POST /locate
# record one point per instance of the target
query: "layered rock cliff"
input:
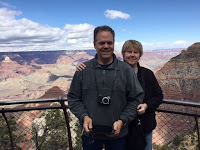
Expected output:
(25, 119)
(180, 77)
(27, 75)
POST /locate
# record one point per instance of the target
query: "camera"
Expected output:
(101, 129)
(105, 100)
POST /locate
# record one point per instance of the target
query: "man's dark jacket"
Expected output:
(118, 81)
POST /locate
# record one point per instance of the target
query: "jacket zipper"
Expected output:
(104, 72)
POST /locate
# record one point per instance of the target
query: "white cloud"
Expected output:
(8, 15)
(25, 35)
(79, 31)
(157, 45)
(4, 4)
(179, 42)
(114, 14)
(165, 45)
(125, 30)
(79, 28)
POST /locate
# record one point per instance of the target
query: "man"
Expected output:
(104, 96)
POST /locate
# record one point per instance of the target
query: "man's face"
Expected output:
(104, 46)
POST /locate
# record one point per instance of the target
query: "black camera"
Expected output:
(105, 100)
(101, 129)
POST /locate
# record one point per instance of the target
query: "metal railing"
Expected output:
(183, 108)
(191, 109)
(62, 106)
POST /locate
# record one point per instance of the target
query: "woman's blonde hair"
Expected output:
(132, 44)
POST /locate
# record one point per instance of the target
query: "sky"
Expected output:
(41, 25)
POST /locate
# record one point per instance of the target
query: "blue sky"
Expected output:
(28, 25)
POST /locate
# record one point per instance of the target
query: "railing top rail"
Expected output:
(165, 101)
(46, 100)
(181, 102)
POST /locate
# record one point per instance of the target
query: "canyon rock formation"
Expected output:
(179, 79)
(27, 75)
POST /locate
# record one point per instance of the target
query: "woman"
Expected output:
(132, 51)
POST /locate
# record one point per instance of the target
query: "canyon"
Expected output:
(48, 74)
(27, 75)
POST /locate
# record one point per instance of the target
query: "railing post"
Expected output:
(9, 130)
(67, 122)
(198, 137)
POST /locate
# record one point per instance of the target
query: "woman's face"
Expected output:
(131, 56)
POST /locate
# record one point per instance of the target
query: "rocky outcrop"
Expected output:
(24, 122)
(180, 77)
(12, 69)
(30, 81)
(155, 59)
(27, 75)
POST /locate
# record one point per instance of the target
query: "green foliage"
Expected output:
(158, 147)
(54, 130)
(182, 148)
(192, 138)
(78, 144)
(4, 134)
(177, 140)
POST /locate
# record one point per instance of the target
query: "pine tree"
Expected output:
(54, 132)
(4, 134)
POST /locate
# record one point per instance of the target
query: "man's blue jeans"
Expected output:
(89, 143)
(148, 137)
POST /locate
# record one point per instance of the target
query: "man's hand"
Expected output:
(117, 128)
(87, 124)
(142, 108)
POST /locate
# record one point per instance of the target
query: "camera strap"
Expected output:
(114, 76)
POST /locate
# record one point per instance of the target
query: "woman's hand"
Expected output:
(80, 66)
(142, 108)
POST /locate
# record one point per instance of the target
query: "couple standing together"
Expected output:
(107, 95)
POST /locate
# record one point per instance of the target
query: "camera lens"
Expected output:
(105, 100)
